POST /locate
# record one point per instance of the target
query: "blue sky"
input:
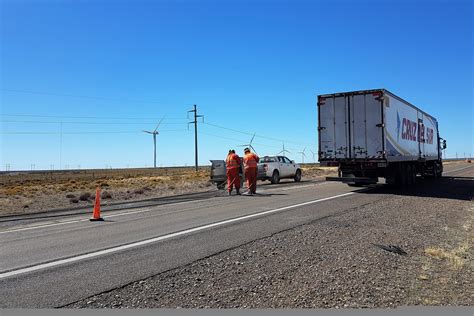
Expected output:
(251, 66)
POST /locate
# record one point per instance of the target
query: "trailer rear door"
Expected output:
(333, 128)
(366, 127)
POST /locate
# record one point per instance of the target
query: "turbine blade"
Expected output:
(252, 139)
(159, 123)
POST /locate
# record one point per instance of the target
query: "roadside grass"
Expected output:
(460, 255)
(454, 257)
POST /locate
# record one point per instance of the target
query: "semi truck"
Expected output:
(374, 133)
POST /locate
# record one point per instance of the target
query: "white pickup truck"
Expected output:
(279, 167)
(271, 168)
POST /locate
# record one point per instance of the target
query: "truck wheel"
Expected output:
(409, 174)
(221, 185)
(413, 174)
(439, 170)
(405, 175)
(298, 175)
(401, 176)
(275, 177)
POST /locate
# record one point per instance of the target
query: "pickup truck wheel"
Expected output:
(275, 177)
(298, 175)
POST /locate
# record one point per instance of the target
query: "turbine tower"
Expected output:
(314, 154)
(303, 155)
(154, 133)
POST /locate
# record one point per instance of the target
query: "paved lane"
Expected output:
(230, 223)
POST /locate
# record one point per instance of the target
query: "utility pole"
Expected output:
(195, 134)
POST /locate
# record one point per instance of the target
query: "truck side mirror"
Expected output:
(293, 161)
(444, 144)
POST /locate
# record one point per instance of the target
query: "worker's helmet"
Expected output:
(233, 151)
(246, 150)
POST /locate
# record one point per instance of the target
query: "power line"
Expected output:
(79, 96)
(257, 135)
(87, 123)
(93, 117)
(88, 132)
(236, 140)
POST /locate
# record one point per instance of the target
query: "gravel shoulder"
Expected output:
(334, 262)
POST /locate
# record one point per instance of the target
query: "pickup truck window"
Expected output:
(280, 159)
(287, 160)
(268, 159)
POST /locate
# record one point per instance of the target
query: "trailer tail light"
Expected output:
(377, 94)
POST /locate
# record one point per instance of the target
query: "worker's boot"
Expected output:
(238, 191)
(229, 193)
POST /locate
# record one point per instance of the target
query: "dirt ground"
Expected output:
(25, 193)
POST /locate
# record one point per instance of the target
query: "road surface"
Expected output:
(52, 262)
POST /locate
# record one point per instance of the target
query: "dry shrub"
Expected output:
(84, 196)
(452, 256)
(139, 191)
(106, 195)
(70, 196)
(74, 200)
(13, 191)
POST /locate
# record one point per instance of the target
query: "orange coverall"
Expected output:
(250, 171)
(233, 164)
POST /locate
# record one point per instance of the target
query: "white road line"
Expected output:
(133, 212)
(185, 202)
(86, 219)
(458, 169)
(164, 237)
(41, 226)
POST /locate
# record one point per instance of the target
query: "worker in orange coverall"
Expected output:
(233, 166)
(250, 170)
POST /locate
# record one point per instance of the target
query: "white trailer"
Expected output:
(374, 133)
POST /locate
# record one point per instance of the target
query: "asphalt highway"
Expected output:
(52, 262)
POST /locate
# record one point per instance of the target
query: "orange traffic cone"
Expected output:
(96, 213)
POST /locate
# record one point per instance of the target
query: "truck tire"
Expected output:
(405, 175)
(409, 174)
(413, 174)
(275, 177)
(439, 170)
(401, 176)
(298, 175)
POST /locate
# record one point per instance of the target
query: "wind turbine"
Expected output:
(250, 144)
(312, 152)
(302, 155)
(284, 151)
(154, 133)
